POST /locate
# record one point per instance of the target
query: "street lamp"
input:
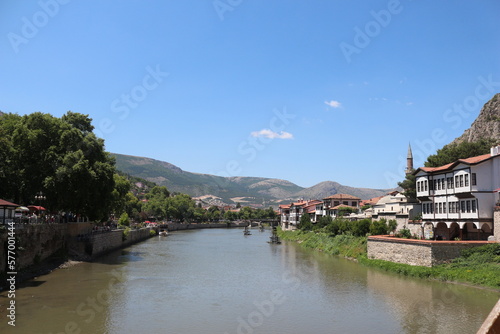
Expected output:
(40, 197)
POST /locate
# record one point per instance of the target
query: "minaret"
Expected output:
(409, 161)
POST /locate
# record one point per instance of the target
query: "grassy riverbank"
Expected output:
(477, 266)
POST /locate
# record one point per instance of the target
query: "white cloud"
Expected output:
(271, 134)
(333, 104)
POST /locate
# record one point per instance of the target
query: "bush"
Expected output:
(361, 227)
(379, 227)
(404, 233)
(124, 219)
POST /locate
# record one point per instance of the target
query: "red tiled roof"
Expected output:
(6, 203)
(371, 201)
(284, 206)
(468, 161)
(311, 209)
(342, 196)
(342, 206)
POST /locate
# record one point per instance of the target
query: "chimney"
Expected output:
(495, 150)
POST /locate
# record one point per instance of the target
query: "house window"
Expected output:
(354, 204)
(450, 207)
(466, 180)
(435, 185)
(345, 203)
(461, 180)
(418, 186)
(335, 203)
(473, 205)
(425, 185)
(462, 204)
(444, 207)
(432, 207)
(473, 179)
(438, 184)
(468, 206)
(456, 181)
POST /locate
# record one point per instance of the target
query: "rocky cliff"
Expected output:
(486, 125)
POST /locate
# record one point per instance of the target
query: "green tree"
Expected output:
(157, 202)
(124, 219)
(60, 157)
(119, 194)
(409, 187)
(181, 207)
(324, 221)
(360, 227)
(346, 210)
(379, 227)
(392, 225)
(452, 152)
(305, 222)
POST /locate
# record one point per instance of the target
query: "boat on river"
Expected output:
(163, 233)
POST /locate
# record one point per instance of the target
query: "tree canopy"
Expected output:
(60, 157)
(452, 152)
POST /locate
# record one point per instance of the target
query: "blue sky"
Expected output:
(306, 91)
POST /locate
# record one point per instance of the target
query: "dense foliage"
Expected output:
(60, 157)
(341, 226)
(452, 152)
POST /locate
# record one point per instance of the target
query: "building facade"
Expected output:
(458, 199)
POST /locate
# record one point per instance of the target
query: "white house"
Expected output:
(395, 206)
(458, 199)
(7, 211)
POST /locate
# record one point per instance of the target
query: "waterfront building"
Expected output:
(284, 214)
(7, 211)
(290, 214)
(458, 199)
(395, 206)
(332, 204)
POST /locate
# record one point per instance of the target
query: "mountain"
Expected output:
(246, 190)
(327, 188)
(486, 125)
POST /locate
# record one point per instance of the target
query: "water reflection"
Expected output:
(218, 281)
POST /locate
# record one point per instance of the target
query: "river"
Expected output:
(220, 281)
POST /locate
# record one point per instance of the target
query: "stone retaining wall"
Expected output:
(104, 242)
(179, 226)
(34, 243)
(425, 253)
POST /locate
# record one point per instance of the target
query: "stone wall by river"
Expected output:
(36, 243)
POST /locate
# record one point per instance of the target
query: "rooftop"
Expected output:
(342, 196)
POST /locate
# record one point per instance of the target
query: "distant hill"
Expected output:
(253, 191)
(486, 125)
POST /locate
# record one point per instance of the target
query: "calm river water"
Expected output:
(219, 281)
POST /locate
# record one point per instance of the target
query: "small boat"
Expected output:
(163, 233)
(246, 231)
